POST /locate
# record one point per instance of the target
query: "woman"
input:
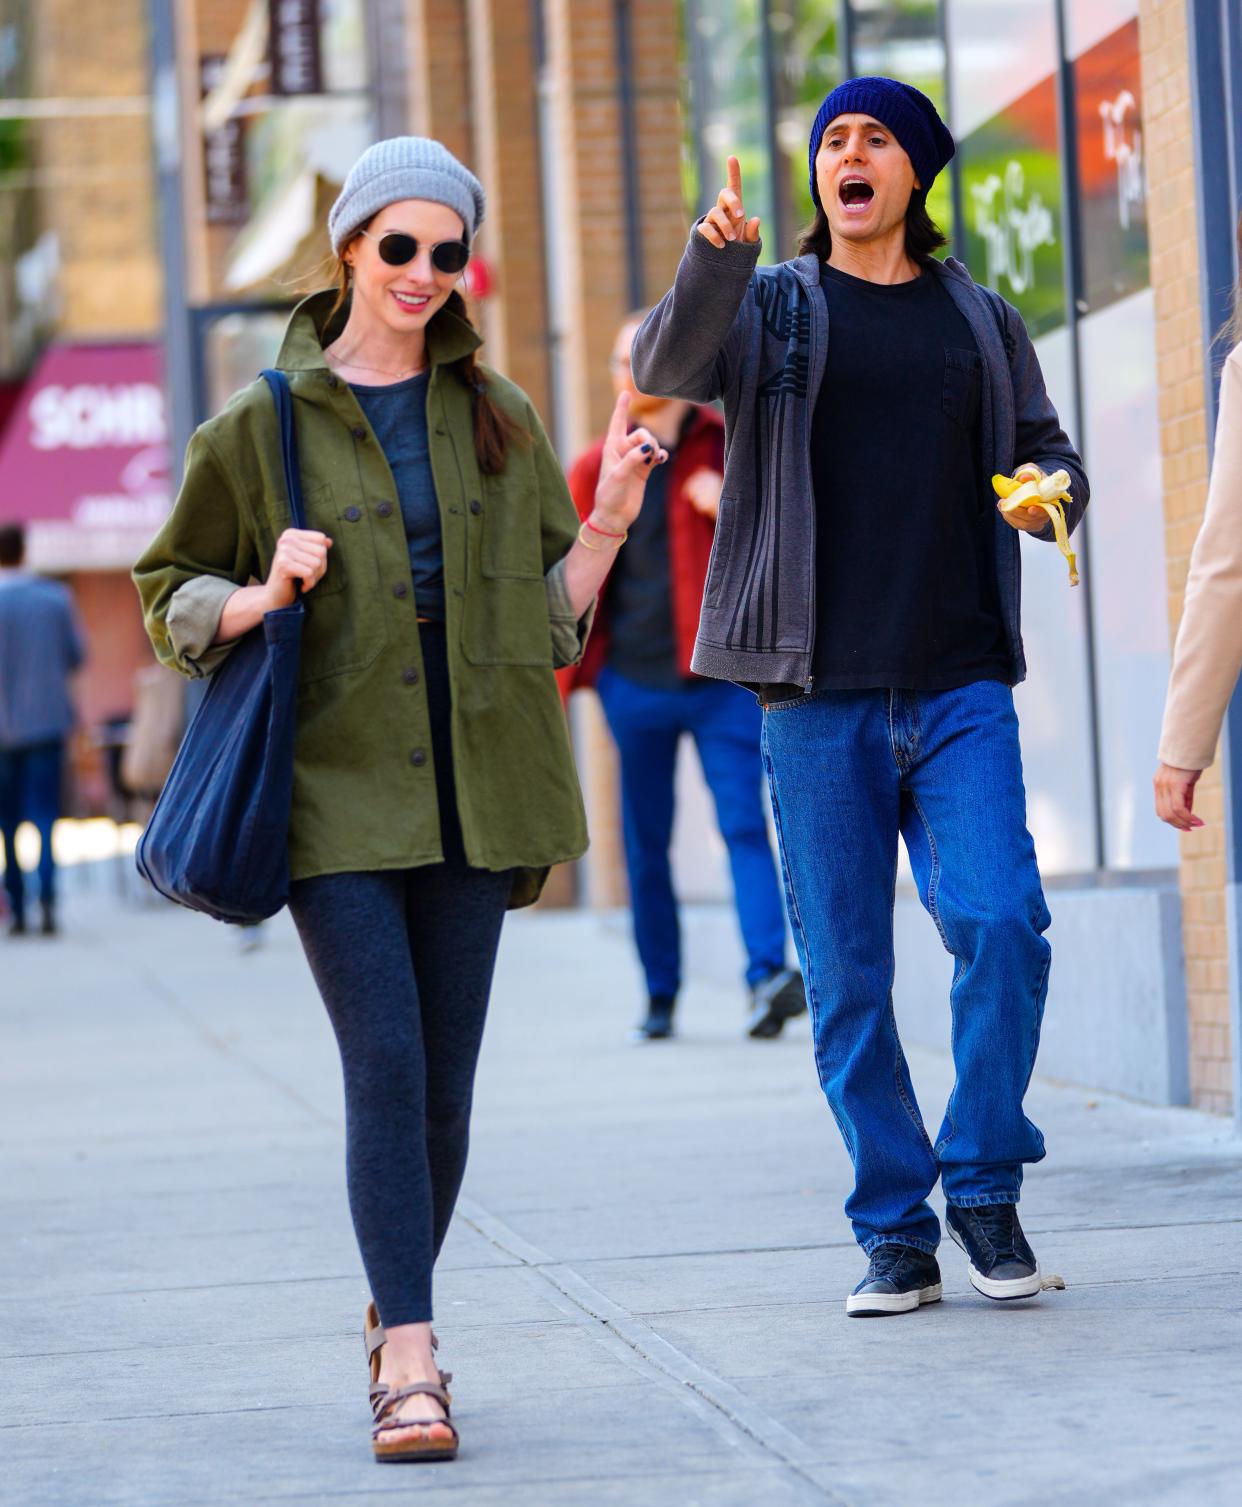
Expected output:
(447, 575)
(1208, 654)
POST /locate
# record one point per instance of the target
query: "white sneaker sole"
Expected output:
(862, 1305)
(1005, 1291)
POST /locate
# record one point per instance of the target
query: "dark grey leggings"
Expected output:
(404, 963)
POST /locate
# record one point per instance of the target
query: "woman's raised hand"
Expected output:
(301, 555)
(628, 461)
(726, 220)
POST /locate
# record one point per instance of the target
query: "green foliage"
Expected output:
(13, 145)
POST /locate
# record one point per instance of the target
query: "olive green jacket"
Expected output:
(364, 778)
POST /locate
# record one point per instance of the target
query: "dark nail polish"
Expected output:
(646, 449)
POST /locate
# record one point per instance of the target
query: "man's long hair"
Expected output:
(923, 236)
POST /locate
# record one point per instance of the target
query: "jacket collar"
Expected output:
(449, 337)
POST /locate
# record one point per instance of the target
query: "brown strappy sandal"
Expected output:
(383, 1398)
(424, 1447)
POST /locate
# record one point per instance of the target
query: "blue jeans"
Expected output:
(725, 723)
(29, 792)
(849, 771)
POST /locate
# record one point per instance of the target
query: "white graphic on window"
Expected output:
(1013, 228)
(1123, 145)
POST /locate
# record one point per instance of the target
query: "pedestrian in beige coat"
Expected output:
(1208, 655)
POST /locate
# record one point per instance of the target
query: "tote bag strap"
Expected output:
(283, 398)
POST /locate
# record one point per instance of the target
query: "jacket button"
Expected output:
(384, 509)
(410, 676)
(359, 432)
(353, 514)
(476, 506)
(400, 589)
(418, 758)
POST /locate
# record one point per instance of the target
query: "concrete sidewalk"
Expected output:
(642, 1300)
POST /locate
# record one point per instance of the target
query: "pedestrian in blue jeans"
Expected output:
(638, 660)
(868, 590)
(40, 648)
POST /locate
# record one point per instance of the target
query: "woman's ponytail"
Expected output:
(494, 430)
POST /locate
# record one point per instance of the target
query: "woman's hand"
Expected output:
(703, 488)
(726, 220)
(627, 462)
(301, 555)
(1175, 797)
(1027, 520)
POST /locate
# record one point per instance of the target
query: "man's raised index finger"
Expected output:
(734, 175)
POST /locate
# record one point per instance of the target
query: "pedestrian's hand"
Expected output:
(703, 488)
(1028, 520)
(628, 460)
(726, 220)
(1175, 797)
(301, 555)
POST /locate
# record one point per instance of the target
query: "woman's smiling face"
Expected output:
(403, 298)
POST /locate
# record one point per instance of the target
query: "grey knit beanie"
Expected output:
(404, 167)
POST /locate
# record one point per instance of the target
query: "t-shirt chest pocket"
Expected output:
(963, 373)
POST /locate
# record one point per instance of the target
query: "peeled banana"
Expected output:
(1049, 493)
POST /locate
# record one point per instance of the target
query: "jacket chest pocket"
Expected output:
(512, 546)
(963, 372)
(346, 627)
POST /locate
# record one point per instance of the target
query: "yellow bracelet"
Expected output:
(582, 538)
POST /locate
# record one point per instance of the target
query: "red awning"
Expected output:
(84, 457)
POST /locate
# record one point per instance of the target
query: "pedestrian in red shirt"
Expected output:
(638, 660)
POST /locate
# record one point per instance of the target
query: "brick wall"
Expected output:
(1184, 446)
(95, 172)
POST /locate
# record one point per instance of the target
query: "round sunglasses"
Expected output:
(396, 248)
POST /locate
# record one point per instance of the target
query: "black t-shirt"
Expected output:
(906, 592)
(398, 415)
(642, 645)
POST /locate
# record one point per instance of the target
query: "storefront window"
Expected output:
(901, 39)
(806, 66)
(1009, 151)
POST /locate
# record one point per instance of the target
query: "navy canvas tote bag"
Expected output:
(218, 838)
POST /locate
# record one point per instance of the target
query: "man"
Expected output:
(40, 648)
(868, 590)
(638, 659)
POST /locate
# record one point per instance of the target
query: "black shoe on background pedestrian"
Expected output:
(773, 1001)
(899, 1279)
(658, 1025)
(1002, 1263)
(17, 926)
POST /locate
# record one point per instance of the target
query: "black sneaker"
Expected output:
(899, 1280)
(773, 1001)
(658, 1025)
(17, 926)
(47, 920)
(1002, 1264)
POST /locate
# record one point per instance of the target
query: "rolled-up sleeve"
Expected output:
(193, 621)
(569, 631)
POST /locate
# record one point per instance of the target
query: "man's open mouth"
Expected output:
(855, 192)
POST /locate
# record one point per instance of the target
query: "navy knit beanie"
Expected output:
(907, 113)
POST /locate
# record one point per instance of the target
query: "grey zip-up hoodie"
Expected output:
(757, 337)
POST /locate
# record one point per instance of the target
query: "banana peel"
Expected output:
(1049, 493)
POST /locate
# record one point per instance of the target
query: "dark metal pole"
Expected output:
(636, 283)
(777, 176)
(956, 191)
(846, 32)
(166, 117)
(710, 174)
(1067, 122)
